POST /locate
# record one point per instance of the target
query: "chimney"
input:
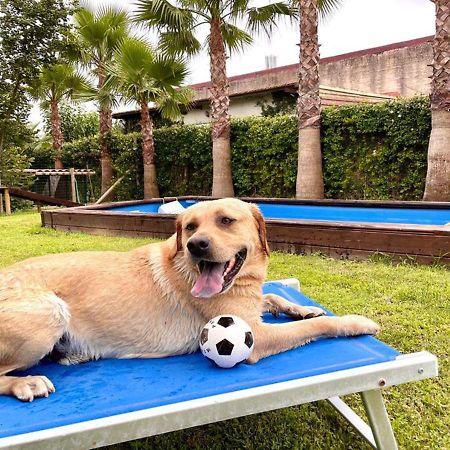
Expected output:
(271, 61)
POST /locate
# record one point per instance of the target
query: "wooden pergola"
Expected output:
(72, 173)
(7, 191)
(5, 197)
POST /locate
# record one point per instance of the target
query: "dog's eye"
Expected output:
(227, 220)
(191, 226)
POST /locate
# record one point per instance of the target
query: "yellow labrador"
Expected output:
(150, 302)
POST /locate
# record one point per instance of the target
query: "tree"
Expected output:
(76, 122)
(179, 25)
(309, 169)
(98, 36)
(142, 75)
(56, 83)
(437, 187)
(32, 34)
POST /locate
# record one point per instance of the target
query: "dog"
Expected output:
(153, 301)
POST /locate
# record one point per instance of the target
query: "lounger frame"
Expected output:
(368, 381)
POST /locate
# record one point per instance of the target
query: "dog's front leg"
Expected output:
(276, 305)
(272, 339)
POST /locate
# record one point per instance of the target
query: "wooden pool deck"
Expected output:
(425, 244)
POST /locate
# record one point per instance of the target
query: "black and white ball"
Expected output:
(226, 340)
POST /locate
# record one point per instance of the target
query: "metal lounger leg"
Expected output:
(379, 420)
(351, 417)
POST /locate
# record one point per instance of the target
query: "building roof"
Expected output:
(38, 172)
(286, 77)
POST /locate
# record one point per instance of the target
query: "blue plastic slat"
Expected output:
(108, 387)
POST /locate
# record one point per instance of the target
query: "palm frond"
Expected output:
(168, 71)
(140, 74)
(113, 17)
(170, 105)
(265, 18)
(179, 42)
(327, 7)
(163, 14)
(76, 84)
(83, 17)
(105, 97)
(201, 7)
(58, 82)
(98, 34)
(235, 38)
(237, 9)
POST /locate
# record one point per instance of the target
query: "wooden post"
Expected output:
(7, 202)
(1, 203)
(72, 184)
(109, 191)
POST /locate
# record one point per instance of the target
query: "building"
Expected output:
(365, 76)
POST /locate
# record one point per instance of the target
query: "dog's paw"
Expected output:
(73, 358)
(31, 387)
(353, 325)
(277, 305)
(304, 312)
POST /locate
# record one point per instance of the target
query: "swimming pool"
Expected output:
(343, 229)
(343, 213)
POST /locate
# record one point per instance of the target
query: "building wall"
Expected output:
(404, 70)
(239, 107)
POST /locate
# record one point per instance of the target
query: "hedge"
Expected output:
(369, 152)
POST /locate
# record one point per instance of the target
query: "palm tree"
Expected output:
(437, 187)
(309, 169)
(56, 83)
(98, 35)
(142, 75)
(179, 25)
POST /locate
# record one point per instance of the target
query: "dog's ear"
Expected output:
(261, 226)
(177, 244)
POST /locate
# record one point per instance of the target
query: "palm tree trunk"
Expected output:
(57, 136)
(437, 186)
(148, 154)
(309, 170)
(220, 102)
(105, 116)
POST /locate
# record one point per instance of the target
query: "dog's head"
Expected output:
(221, 241)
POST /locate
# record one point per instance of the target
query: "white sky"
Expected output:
(358, 24)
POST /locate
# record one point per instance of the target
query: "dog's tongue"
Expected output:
(210, 281)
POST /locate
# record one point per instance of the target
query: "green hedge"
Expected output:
(369, 151)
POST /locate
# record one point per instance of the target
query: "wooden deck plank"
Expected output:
(354, 240)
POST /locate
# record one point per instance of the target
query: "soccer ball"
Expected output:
(226, 340)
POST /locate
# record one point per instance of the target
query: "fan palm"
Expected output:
(309, 183)
(56, 83)
(142, 75)
(437, 186)
(179, 24)
(98, 35)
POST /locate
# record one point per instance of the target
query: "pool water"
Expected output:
(326, 213)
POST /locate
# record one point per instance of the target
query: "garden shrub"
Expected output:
(76, 122)
(369, 152)
(376, 151)
(13, 161)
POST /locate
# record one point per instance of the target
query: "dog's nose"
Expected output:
(198, 246)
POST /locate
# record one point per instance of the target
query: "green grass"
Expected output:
(412, 303)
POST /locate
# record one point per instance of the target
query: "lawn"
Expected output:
(412, 304)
